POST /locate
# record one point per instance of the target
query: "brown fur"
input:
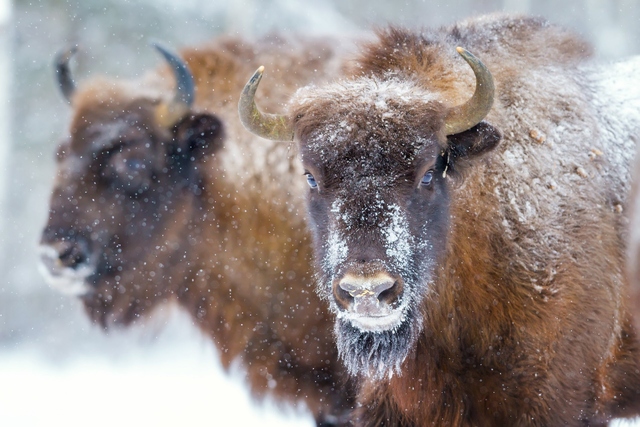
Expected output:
(633, 267)
(522, 319)
(214, 231)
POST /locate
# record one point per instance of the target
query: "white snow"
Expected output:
(398, 238)
(336, 247)
(165, 383)
(372, 92)
(634, 422)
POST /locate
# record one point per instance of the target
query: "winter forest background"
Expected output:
(56, 368)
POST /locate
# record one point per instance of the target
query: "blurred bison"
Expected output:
(161, 195)
(473, 249)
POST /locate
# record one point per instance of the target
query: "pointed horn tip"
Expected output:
(255, 78)
(64, 55)
(258, 73)
(158, 46)
(464, 53)
(168, 53)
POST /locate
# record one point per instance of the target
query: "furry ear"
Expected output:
(199, 134)
(467, 145)
(478, 140)
(195, 138)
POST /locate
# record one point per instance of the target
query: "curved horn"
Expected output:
(269, 126)
(169, 113)
(185, 87)
(63, 73)
(466, 116)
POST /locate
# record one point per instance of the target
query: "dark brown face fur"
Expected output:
(378, 203)
(125, 196)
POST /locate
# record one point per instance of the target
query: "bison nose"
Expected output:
(368, 295)
(66, 264)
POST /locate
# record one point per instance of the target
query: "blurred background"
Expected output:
(56, 368)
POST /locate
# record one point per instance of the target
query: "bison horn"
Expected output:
(471, 113)
(269, 126)
(169, 114)
(63, 73)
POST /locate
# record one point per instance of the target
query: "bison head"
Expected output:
(127, 179)
(378, 154)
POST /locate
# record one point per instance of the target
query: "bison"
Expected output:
(161, 196)
(471, 241)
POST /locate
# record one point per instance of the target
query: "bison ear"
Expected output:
(199, 134)
(471, 143)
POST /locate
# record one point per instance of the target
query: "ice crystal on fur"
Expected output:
(377, 355)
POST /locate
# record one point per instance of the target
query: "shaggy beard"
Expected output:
(377, 355)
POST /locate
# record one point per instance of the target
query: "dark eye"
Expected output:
(427, 178)
(128, 170)
(132, 166)
(127, 167)
(311, 180)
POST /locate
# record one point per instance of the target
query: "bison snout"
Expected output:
(372, 296)
(66, 264)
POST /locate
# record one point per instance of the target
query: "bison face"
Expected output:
(122, 204)
(378, 165)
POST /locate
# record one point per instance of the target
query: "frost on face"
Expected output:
(377, 356)
(398, 239)
(370, 92)
(336, 249)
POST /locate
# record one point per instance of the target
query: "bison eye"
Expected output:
(427, 178)
(128, 170)
(311, 180)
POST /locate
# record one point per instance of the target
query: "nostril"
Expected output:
(72, 256)
(343, 296)
(390, 294)
(381, 288)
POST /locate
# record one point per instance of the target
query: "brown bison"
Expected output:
(161, 196)
(471, 244)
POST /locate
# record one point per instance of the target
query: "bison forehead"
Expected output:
(366, 126)
(99, 136)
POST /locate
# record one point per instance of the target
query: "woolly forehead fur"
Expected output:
(366, 92)
(391, 116)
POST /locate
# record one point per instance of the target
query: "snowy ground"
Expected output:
(157, 387)
(625, 423)
(167, 382)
